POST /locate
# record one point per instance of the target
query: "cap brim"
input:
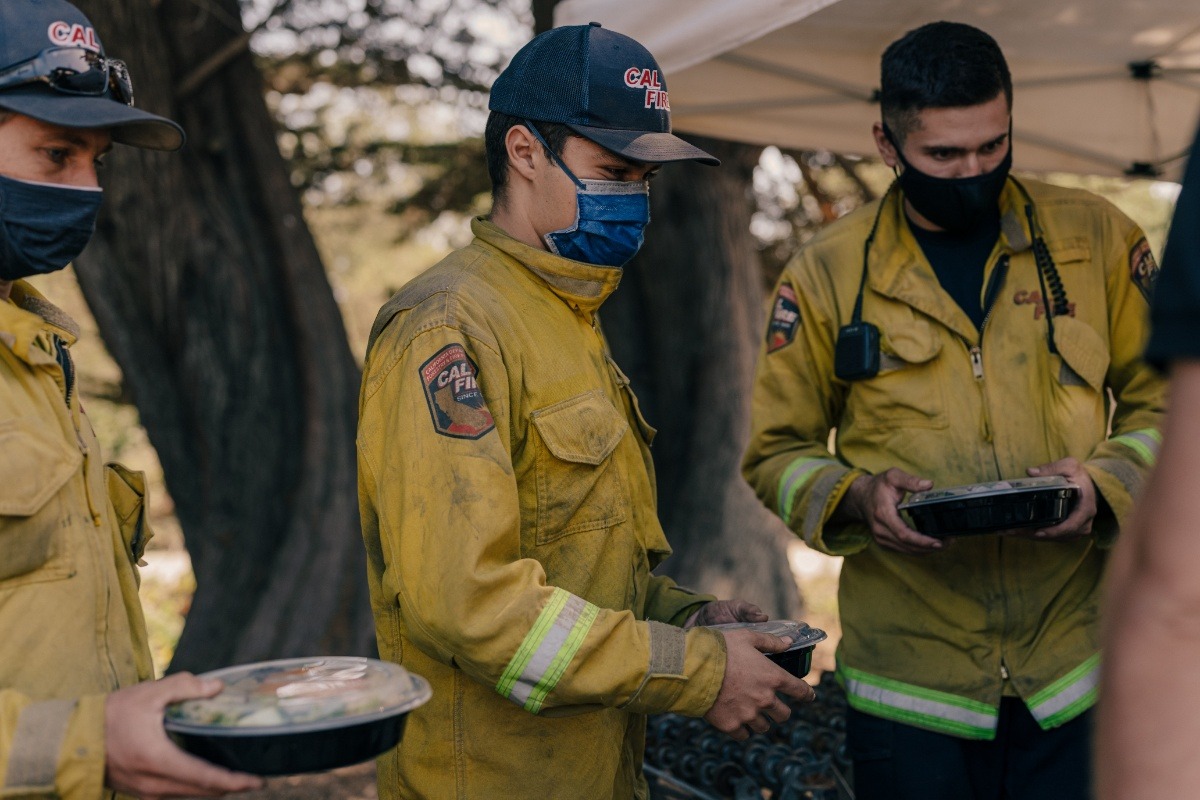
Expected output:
(651, 147)
(128, 125)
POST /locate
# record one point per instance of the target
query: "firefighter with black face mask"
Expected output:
(968, 327)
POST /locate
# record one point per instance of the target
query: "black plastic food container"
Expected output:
(295, 752)
(299, 715)
(990, 507)
(797, 659)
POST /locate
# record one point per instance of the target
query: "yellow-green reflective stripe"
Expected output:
(567, 652)
(533, 639)
(547, 650)
(1068, 696)
(917, 705)
(1144, 442)
(798, 473)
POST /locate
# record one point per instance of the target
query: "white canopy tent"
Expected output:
(1105, 87)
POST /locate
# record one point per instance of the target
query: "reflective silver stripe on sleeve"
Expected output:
(33, 759)
(547, 650)
(1144, 442)
(797, 474)
(816, 503)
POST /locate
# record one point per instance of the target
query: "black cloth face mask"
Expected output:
(957, 205)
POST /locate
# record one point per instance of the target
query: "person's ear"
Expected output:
(883, 144)
(523, 151)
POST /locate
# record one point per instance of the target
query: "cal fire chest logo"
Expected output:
(785, 318)
(452, 389)
(1143, 268)
(656, 95)
(67, 34)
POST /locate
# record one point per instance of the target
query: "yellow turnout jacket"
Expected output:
(72, 530)
(936, 640)
(509, 516)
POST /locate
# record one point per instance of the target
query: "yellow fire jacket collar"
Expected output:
(27, 315)
(584, 287)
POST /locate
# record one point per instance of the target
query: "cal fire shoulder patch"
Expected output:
(1143, 269)
(785, 319)
(451, 382)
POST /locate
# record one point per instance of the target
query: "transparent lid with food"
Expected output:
(1009, 488)
(800, 634)
(305, 693)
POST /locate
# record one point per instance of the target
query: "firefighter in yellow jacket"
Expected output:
(72, 528)
(506, 484)
(1010, 318)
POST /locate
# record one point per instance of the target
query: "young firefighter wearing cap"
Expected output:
(506, 483)
(1008, 313)
(72, 529)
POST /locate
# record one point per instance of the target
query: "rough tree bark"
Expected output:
(685, 325)
(209, 292)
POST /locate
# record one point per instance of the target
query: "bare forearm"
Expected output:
(1150, 700)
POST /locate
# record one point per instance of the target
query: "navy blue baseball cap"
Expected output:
(48, 30)
(602, 85)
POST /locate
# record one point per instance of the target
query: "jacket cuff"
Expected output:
(685, 673)
(1116, 482)
(836, 539)
(704, 664)
(82, 758)
(57, 750)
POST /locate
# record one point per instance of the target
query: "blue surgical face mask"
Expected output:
(610, 219)
(43, 226)
(609, 225)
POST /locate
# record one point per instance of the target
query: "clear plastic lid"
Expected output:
(989, 489)
(303, 692)
(800, 634)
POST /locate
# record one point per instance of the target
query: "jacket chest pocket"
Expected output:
(907, 391)
(35, 465)
(579, 486)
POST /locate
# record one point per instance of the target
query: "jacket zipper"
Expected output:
(991, 295)
(63, 357)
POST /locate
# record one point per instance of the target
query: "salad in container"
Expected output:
(299, 714)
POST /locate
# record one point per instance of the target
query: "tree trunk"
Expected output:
(209, 292)
(686, 325)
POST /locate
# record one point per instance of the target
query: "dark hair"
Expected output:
(939, 65)
(498, 125)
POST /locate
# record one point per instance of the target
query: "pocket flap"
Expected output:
(584, 429)
(127, 493)
(1082, 349)
(913, 344)
(1064, 251)
(34, 464)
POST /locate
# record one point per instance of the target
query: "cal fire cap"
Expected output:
(601, 84)
(27, 27)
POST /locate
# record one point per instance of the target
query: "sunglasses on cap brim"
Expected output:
(72, 70)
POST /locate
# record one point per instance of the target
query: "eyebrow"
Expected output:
(936, 148)
(75, 140)
(620, 163)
